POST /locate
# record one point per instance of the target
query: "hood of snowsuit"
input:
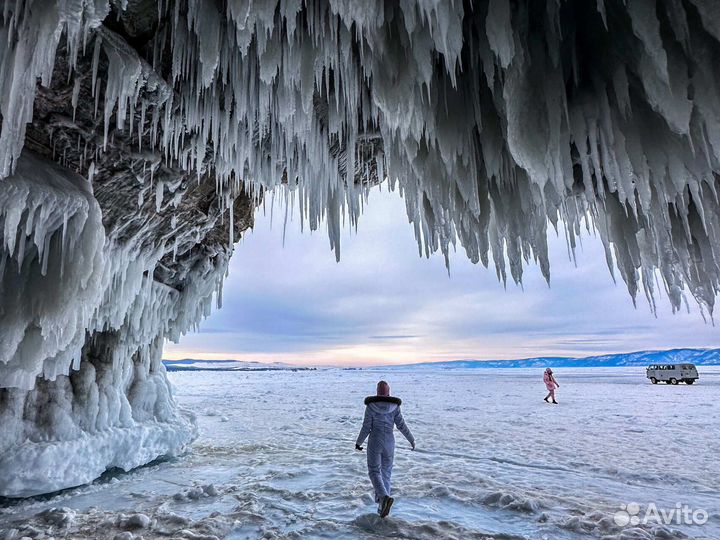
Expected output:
(383, 399)
(383, 404)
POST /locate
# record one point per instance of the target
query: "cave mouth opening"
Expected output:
(286, 300)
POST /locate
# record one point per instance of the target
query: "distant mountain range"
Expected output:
(699, 357)
(189, 364)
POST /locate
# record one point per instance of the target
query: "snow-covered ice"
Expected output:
(492, 460)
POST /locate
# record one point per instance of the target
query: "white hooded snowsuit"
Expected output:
(382, 414)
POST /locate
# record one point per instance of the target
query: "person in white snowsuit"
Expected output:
(382, 415)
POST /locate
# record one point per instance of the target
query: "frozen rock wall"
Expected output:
(491, 117)
(107, 250)
(84, 316)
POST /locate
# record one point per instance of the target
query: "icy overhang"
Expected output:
(491, 117)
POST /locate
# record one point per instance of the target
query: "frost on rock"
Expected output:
(492, 118)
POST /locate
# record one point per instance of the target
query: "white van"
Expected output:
(672, 373)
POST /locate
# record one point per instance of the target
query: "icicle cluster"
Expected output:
(493, 117)
(60, 278)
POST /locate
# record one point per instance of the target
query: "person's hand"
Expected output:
(358, 448)
(412, 446)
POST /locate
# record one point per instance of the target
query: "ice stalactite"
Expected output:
(30, 34)
(492, 118)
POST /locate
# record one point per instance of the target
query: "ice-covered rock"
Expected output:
(76, 404)
(92, 281)
(168, 121)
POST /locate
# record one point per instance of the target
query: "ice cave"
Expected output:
(139, 136)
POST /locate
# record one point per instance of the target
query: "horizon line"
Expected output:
(430, 362)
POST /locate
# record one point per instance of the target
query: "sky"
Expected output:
(288, 300)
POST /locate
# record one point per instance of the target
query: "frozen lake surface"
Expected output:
(275, 459)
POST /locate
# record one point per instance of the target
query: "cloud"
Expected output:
(382, 303)
(392, 337)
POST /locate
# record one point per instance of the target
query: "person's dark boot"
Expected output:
(555, 402)
(545, 400)
(387, 503)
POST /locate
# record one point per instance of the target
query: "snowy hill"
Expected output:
(699, 357)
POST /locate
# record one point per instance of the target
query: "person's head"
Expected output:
(383, 389)
(549, 371)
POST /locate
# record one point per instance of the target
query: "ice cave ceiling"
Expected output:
(138, 135)
(493, 117)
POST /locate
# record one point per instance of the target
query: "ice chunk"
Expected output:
(137, 521)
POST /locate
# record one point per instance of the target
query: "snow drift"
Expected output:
(493, 118)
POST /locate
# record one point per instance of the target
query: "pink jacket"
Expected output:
(550, 383)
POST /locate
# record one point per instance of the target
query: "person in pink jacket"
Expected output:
(550, 384)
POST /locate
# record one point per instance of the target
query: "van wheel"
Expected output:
(673, 381)
(689, 381)
(653, 380)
